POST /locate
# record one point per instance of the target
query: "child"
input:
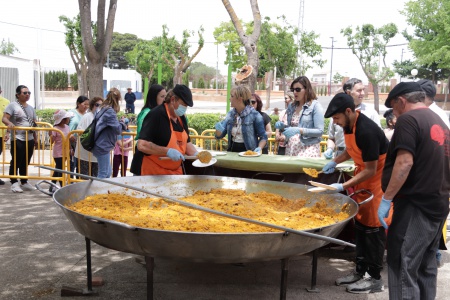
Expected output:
(122, 148)
(62, 118)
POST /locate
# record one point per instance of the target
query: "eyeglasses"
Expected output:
(253, 101)
(26, 93)
(97, 104)
(298, 90)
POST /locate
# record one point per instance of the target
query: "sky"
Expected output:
(34, 28)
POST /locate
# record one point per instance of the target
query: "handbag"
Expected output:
(87, 138)
(30, 121)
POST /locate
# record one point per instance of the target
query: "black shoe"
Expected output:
(2, 182)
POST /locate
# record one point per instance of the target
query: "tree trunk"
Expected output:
(376, 97)
(250, 42)
(96, 53)
(82, 81)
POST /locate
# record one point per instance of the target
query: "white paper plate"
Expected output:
(218, 153)
(199, 164)
(317, 189)
(254, 155)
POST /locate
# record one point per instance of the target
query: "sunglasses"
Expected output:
(298, 90)
(253, 101)
(97, 104)
(26, 93)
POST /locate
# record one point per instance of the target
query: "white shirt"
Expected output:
(440, 112)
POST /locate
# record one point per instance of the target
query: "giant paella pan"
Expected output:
(198, 246)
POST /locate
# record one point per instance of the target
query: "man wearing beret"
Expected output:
(416, 178)
(366, 144)
(165, 133)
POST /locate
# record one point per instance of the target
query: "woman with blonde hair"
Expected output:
(243, 124)
(303, 128)
(106, 131)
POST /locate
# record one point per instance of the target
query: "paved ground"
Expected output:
(41, 252)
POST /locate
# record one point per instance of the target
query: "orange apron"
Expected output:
(367, 213)
(152, 165)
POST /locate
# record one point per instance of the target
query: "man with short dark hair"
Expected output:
(430, 92)
(416, 178)
(366, 144)
(130, 98)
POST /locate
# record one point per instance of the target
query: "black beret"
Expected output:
(428, 87)
(184, 93)
(339, 103)
(401, 89)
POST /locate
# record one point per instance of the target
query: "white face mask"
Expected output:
(181, 110)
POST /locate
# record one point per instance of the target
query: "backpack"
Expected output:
(87, 138)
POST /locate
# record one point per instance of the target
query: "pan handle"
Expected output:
(100, 222)
(363, 191)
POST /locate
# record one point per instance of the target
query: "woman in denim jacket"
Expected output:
(244, 124)
(305, 121)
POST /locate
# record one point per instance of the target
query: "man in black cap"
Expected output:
(366, 144)
(416, 178)
(430, 92)
(130, 98)
(165, 133)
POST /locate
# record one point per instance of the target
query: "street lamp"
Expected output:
(331, 70)
(414, 73)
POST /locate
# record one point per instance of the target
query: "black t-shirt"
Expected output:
(422, 133)
(266, 119)
(156, 127)
(370, 139)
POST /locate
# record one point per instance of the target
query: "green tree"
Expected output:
(368, 44)
(73, 40)
(201, 83)
(337, 78)
(176, 54)
(198, 69)
(144, 57)
(96, 45)
(433, 73)
(121, 44)
(8, 48)
(430, 40)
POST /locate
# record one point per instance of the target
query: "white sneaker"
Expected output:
(27, 187)
(15, 188)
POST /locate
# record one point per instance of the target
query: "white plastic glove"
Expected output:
(328, 154)
(258, 149)
(338, 186)
(329, 167)
(219, 126)
(175, 155)
(279, 125)
(291, 131)
(383, 211)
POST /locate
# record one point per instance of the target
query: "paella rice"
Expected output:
(156, 213)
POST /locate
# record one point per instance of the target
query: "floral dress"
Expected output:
(295, 147)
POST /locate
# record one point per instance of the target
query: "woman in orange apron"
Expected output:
(367, 145)
(165, 133)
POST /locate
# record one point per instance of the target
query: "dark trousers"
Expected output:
(19, 159)
(58, 165)
(130, 108)
(411, 254)
(86, 169)
(117, 162)
(370, 243)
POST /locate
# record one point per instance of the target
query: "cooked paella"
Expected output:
(156, 213)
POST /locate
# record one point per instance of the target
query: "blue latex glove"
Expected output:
(328, 154)
(291, 131)
(383, 211)
(338, 186)
(279, 125)
(175, 155)
(219, 126)
(329, 167)
(258, 149)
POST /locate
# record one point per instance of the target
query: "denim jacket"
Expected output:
(253, 129)
(311, 120)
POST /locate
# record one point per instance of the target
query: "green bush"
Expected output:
(74, 81)
(46, 115)
(201, 83)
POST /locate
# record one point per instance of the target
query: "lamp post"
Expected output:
(331, 69)
(414, 73)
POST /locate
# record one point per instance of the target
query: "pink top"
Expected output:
(57, 138)
(127, 143)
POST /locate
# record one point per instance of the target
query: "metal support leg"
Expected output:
(150, 265)
(313, 288)
(69, 291)
(284, 275)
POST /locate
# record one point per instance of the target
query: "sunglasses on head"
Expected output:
(253, 101)
(298, 90)
(26, 93)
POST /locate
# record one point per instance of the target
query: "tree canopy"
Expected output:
(121, 44)
(8, 48)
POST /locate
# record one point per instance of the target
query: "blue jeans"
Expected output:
(104, 166)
